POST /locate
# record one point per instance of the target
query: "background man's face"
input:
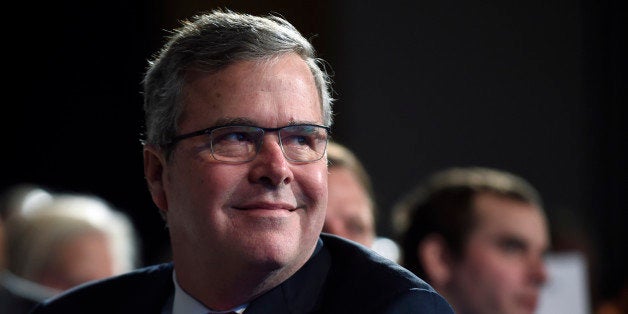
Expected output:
(502, 267)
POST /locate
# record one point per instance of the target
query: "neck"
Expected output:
(222, 287)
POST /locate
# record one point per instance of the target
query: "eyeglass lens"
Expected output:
(300, 143)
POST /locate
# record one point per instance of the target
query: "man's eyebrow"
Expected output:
(295, 122)
(234, 121)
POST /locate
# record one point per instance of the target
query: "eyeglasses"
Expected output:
(240, 143)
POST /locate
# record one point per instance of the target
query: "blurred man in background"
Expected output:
(351, 208)
(478, 235)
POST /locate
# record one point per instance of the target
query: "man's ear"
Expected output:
(436, 259)
(154, 163)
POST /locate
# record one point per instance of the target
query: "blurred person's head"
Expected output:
(15, 199)
(67, 240)
(478, 235)
(350, 206)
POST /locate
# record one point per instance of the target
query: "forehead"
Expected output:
(344, 185)
(346, 194)
(500, 215)
(271, 92)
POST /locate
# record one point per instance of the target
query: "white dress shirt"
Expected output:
(186, 304)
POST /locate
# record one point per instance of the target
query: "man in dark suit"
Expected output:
(238, 113)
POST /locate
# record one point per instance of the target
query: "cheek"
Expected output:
(193, 189)
(198, 197)
(313, 184)
(493, 270)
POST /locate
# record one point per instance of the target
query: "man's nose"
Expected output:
(538, 271)
(271, 166)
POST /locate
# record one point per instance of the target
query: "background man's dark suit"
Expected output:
(11, 303)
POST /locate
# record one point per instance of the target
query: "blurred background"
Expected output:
(537, 88)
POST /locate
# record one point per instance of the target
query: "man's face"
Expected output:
(349, 211)
(502, 269)
(78, 259)
(264, 214)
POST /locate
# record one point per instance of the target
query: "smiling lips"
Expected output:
(267, 206)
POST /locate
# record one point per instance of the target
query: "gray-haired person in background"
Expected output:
(238, 113)
(55, 242)
(477, 235)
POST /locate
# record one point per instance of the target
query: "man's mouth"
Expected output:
(267, 206)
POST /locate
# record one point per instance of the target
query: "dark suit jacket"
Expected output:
(11, 303)
(341, 277)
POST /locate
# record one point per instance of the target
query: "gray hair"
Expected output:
(35, 233)
(210, 42)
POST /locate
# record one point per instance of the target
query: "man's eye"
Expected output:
(233, 137)
(298, 140)
(511, 245)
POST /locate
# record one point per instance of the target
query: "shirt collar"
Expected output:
(26, 288)
(186, 304)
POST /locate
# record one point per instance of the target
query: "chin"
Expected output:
(268, 259)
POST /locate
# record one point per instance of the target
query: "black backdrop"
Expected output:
(537, 88)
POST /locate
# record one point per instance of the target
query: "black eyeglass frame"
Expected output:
(209, 130)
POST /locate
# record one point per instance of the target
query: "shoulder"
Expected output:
(360, 277)
(351, 260)
(11, 302)
(141, 289)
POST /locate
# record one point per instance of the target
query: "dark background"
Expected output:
(537, 88)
